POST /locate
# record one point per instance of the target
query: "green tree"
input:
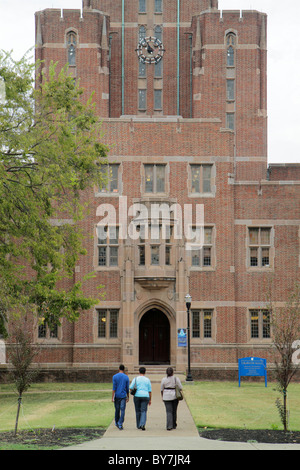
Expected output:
(285, 328)
(50, 152)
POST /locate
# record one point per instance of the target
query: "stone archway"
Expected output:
(154, 338)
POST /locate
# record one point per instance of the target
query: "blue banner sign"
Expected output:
(252, 367)
(181, 335)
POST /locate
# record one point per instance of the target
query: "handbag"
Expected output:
(178, 392)
(134, 389)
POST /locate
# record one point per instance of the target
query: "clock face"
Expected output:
(150, 50)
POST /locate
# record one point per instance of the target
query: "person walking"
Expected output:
(120, 395)
(168, 393)
(142, 397)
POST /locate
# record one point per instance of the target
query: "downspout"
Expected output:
(123, 54)
(178, 57)
(191, 75)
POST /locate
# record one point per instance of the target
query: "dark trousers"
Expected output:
(141, 406)
(171, 409)
(120, 406)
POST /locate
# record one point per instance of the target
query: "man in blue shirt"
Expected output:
(120, 395)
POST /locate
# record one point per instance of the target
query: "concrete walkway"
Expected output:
(156, 437)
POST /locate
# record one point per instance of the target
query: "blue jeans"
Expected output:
(120, 406)
(141, 406)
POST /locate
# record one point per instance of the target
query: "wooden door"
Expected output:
(154, 341)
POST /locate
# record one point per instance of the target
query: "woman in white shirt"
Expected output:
(168, 393)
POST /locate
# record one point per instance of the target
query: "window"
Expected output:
(155, 255)
(202, 324)
(155, 178)
(157, 99)
(71, 43)
(46, 332)
(142, 100)
(231, 41)
(230, 85)
(158, 250)
(230, 121)
(108, 323)
(230, 57)
(259, 247)
(142, 70)
(158, 70)
(158, 6)
(108, 246)
(201, 178)
(142, 6)
(260, 324)
(110, 178)
(203, 257)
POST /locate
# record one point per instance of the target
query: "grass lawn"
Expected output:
(60, 405)
(252, 406)
(81, 405)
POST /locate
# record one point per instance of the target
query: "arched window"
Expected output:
(71, 44)
(230, 41)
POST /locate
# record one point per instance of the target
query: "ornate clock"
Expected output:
(150, 50)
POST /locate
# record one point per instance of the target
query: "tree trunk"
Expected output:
(18, 412)
(285, 411)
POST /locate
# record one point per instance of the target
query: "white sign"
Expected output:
(296, 355)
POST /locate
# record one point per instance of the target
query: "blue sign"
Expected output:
(252, 367)
(181, 335)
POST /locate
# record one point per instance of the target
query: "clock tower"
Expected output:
(180, 89)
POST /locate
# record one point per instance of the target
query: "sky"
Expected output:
(17, 34)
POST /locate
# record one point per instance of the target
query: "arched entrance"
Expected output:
(154, 338)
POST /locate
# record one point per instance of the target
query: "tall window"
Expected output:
(201, 178)
(108, 323)
(142, 67)
(230, 81)
(230, 121)
(231, 41)
(155, 178)
(157, 100)
(158, 6)
(203, 257)
(158, 66)
(110, 175)
(230, 85)
(202, 324)
(259, 247)
(142, 100)
(142, 6)
(260, 324)
(71, 42)
(108, 246)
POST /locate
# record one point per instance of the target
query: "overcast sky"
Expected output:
(17, 33)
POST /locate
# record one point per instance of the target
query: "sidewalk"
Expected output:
(156, 437)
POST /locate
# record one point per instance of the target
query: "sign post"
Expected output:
(253, 367)
(182, 337)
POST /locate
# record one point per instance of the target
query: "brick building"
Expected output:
(181, 89)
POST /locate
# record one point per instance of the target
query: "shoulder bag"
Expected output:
(178, 392)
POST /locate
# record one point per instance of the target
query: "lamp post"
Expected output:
(188, 301)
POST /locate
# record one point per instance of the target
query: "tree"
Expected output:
(285, 325)
(22, 354)
(50, 153)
